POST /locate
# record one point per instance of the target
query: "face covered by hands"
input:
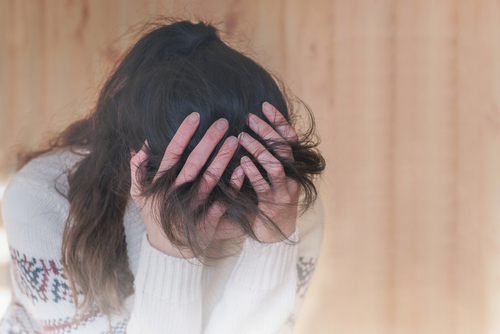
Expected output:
(278, 200)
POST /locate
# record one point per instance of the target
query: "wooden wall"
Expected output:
(407, 101)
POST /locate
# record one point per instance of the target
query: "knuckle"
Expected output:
(211, 136)
(268, 132)
(285, 152)
(190, 166)
(208, 179)
(190, 176)
(191, 171)
(182, 133)
(262, 190)
(175, 147)
(204, 190)
(185, 132)
(292, 135)
(258, 150)
(262, 187)
(276, 171)
(216, 212)
(285, 198)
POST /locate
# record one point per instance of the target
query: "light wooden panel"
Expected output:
(406, 98)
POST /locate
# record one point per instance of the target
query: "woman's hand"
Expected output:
(278, 200)
(213, 225)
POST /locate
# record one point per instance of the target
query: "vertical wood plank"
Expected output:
(424, 168)
(406, 96)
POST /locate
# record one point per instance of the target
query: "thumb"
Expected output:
(135, 164)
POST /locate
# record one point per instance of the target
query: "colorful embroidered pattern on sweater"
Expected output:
(305, 269)
(120, 328)
(40, 280)
(17, 321)
(68, 324)
(44, 281)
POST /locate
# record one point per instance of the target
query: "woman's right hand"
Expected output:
(213, 226)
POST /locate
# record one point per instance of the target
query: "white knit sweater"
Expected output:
(259, 290)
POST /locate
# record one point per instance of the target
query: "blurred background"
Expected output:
(406, 95)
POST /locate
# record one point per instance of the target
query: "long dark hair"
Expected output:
(170, 72)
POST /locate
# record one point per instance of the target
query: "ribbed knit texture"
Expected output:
(156, 267)
(276, 259)
(258, 290)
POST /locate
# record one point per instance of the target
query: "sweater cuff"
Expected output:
(168, 278)
(262, 266)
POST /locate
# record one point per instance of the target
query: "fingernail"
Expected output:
(232, 141)
(243, 137)
(252, 120)
(221, 124)
(193, 118)
(245, 159)
(240, 171)
(267, 106)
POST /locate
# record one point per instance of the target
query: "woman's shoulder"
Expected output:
(34, 206)
(48, 169)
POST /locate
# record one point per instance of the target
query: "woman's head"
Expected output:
(170, 72)
(177, 69)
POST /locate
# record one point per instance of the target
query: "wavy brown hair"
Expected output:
(173, 70)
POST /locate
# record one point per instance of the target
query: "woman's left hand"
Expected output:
(279, 199)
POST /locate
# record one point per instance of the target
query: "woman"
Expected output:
(181, 204)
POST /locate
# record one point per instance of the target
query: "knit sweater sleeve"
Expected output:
(267, 286)
(263, 294)
(168, 295)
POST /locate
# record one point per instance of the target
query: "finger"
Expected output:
(178, 143)
(279, 122)
(135, 163)
(294, 188)
(209, 224)
(225, 229)
(266, 132)
(260, 185)
(237, 177)
(217, 167)
(273, 166)
(202, 151)
(217, 209)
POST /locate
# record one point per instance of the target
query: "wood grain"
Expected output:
(406, 96)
